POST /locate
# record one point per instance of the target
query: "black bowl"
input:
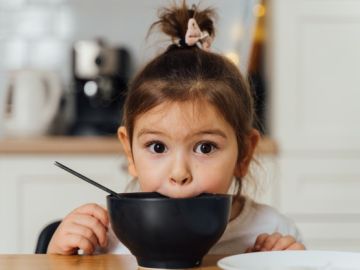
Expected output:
(163, 232)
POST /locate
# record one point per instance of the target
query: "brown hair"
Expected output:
(184, 73)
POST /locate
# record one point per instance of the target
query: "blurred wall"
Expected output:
(39, 33)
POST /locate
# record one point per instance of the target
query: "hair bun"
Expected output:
(173, 21)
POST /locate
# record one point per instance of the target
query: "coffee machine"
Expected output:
(100, 78)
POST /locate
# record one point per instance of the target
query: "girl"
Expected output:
(187, 129)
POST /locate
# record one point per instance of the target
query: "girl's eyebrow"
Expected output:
(217, 132)
(211, 132)
(145, 131)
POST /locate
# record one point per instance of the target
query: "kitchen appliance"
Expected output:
(31, 102)
(100, 77)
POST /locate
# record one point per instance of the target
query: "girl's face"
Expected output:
(183, 149)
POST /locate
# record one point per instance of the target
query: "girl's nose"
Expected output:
(180, 181)
(180, 174)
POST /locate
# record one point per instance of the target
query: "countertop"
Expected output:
(86, 145)
(104, 262)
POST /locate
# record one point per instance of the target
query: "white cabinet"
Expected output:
(315, 82)
(314, 56)
(322, 195)
(320, 186)
(34, 192)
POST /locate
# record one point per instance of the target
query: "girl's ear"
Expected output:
(242, 167)
(125, 141)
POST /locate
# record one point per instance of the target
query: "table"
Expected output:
(98, 262)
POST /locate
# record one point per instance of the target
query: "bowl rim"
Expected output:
(160, 197)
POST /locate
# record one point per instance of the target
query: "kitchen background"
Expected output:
(71, 38)
(301, 56)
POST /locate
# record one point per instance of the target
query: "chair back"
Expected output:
(45, 237)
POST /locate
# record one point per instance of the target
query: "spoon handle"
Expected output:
(86, 179)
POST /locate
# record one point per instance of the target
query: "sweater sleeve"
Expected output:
(288, 227)
(277, 222)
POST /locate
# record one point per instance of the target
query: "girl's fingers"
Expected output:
(76, 240)
(95, 226)
(283, 243)
(296, 246)
(270, 241)
(275, 241)
(94, 210)
(260, 241)
(84, 232)
(85, 228)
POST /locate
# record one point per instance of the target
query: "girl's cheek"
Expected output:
(212, 183)
(151, 174)
(214, 186)
(215, 176)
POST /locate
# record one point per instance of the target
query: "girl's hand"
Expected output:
(84, 228)
(275, 241)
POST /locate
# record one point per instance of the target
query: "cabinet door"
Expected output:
(319, 185)
(314, 68)
(335, 233)
(34, 192)
(322, 196)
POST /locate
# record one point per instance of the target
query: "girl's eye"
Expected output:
(205, 148)
(157, 147)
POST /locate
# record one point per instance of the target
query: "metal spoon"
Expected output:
(87, 179)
